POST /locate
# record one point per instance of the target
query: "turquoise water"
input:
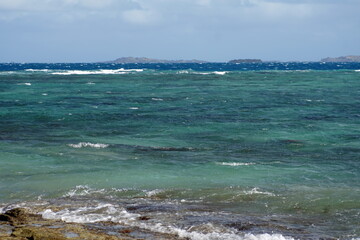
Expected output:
(277, 150)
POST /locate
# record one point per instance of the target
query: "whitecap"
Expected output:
(82, 190)
(219, 73)
(36, 70)
(215, 72)
(157, 99)
(73, 72)
(27, 84)
(182, 72)
(235, 164)
(257, 191)
(153, 192)
(85, 190)
(101, 71)
(7, 72)
(357, 70)
(133, 108)
(88, 144)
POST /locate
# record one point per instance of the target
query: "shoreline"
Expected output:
(23, 224)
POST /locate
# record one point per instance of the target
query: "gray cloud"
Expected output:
(208, 29)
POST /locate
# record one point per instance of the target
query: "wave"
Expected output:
(37, 70)
(235, 164)
(85, 190)
(101, 71)
(88, 144)
(202, 73)
(27, 84)
(102, 212)
(157, 99)
(256, 191)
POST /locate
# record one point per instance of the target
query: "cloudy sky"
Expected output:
(213, 30)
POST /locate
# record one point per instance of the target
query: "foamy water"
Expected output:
(109, 212)
(88, 144)
(101, 71)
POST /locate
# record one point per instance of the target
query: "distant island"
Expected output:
(151, 60)
(126, 60)
(342, 59)
(245, 61)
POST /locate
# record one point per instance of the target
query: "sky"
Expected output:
(212, 30)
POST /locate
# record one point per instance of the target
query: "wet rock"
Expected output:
(18, 216)
(37, 233)
(241, 226)
(126, 231)
(144, 218)
(21, 224)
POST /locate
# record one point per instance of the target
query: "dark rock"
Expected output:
(144, 218)
(126, 231)
(18, 216)
(36, 233)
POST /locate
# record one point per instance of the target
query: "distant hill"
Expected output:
(245, 61)
(342, 59)
(151, 60)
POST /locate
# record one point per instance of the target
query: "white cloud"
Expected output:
(140, 16)
(180, 13)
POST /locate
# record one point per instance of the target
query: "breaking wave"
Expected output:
(88, 144)
(101, 71)
(109, 212)
(235, 164)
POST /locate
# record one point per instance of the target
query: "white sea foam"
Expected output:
(235, 164)
(219, 73)
(7, 72)
(202, 73)
(215, 72)
(157, 99)
(183, 72)
(84, 190)
(27, 84)
(257, 191)
(91, 214)
(357, 71)
(109, 212)
(88, 144)
(101, 71)
(153, 192)
(133, 108)
(37, 70)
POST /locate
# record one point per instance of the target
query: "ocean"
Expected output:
(205, 151)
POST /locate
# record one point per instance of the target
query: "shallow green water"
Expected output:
(263, 143)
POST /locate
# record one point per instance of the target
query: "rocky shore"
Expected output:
(26, 224)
